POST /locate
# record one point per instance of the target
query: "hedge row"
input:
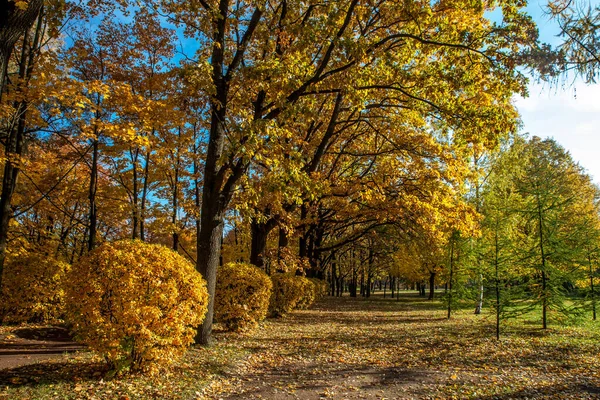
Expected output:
(138, 304)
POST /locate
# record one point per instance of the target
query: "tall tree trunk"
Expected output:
(353, 282)
(479, 306)
(431, 285)
(15, 142)
(93, 211)
(449, 286)
(175, 208)
(478, 184)
(212, 211)
(370, 271)
(258, 246)
(592, 293)
(135, 218)
(334, 274)
(544, 275)
(209, 245)
(497, 278)
(302, 250)
(14, 23)
(282, 243)
(144, 197)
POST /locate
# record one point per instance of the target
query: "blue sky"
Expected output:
(569, 111)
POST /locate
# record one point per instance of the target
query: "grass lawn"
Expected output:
(346, 348)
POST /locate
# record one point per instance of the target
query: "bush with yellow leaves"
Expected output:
(135, 303)
(308, 293)
(242, 296)
(287, 293)
(32, 289)
(321, 287)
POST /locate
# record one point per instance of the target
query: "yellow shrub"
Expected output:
(31, 289)
(135, 303)
(287, 292)
(321, 287)
(242, 296)
(308, 293)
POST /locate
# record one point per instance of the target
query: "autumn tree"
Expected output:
(16, 102)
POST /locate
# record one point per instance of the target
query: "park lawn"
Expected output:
(352, 348)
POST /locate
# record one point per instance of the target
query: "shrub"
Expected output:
(321, 287)
(32, 289)
(135, 303)
(287, 292)
(242, 296)
(308, 293)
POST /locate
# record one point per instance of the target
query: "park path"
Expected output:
(340, 348)
(381, 348)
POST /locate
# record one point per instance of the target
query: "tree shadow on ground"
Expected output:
(586, 390)
(38, 341)
(44, 373)
(48, 333)
(360, 381)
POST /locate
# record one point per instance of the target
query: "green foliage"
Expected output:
(32, 289)
(535, 234)
(242, 296)
(135, 303)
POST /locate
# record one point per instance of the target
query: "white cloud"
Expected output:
(570, 115)
(577, 97)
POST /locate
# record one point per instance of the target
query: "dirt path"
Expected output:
(338, 349)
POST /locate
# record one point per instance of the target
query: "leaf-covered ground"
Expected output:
(350, 349)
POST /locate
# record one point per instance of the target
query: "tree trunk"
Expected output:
(175, 208)
(209, 246)
(258, 244)
(334, 277)
(431, 285)
(449, 284)
(93, 211)
(592, 294)
(282, 243)
(135, 217)
(479, 305)
(145, 195)
(496, 265)
(369, 271)
(14, 23)
(544, 277)
(15, 142)
(302, 250)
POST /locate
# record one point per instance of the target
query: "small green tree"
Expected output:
(500, 235)
(549, 185)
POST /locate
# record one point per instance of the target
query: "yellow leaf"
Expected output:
(22, 5)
